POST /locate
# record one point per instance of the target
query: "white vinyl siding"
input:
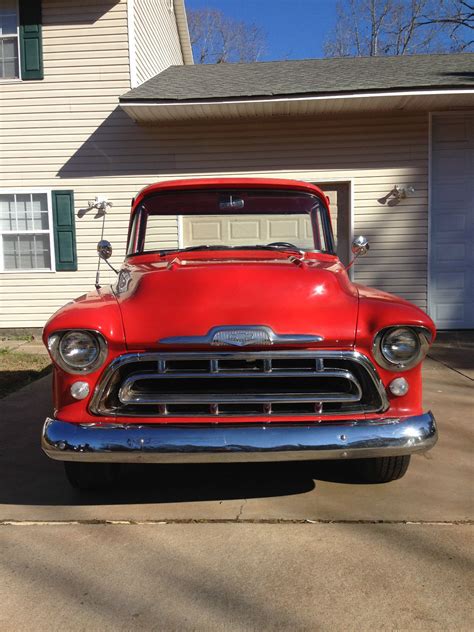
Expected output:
(43, 126)
(155, 39)
(74, 137)
(67, 132)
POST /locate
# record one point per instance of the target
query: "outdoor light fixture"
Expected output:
(398, 193)
(100, 204)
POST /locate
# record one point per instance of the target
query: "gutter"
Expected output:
(326, 97)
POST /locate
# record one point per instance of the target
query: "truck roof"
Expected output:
(216, 183)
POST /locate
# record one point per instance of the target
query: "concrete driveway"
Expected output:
(270, 546)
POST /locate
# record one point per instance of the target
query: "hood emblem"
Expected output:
(242, 336)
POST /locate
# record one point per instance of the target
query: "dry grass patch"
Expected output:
(19, 369)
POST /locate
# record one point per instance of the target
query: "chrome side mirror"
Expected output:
(104, 249)
(360, 246)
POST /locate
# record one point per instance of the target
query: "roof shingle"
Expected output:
(306, 77)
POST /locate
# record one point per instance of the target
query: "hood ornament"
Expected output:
(242, 336)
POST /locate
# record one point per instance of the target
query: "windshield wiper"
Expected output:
(193, 248)
(220, 247)
(262, 247)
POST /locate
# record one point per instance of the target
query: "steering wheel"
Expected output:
(284, 244)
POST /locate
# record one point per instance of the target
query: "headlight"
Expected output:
(78, 350)
(401, 348)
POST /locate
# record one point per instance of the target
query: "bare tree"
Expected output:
(400, 27)
(216, 38)
(457, 19)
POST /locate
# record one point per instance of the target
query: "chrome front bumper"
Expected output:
(190, 443)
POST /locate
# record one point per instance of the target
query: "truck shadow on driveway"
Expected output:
(204, 482)
(28, 477)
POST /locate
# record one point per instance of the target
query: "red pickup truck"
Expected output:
(248, 342)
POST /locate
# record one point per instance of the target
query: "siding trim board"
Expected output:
(132, 43)
(155, 39)
(350, 211)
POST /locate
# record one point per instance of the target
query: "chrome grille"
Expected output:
(268, 383)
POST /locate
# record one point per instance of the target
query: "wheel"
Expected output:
(91, 476)
(382, 469)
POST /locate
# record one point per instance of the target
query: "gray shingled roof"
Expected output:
(306, 77)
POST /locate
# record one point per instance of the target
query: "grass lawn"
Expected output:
(19, 369)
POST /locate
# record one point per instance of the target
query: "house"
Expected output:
(390, 140)
(63, 66)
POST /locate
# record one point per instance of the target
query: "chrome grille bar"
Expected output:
(131, 397)
(269, 383)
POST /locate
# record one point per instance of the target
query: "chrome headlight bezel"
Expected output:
(422, 335)
(54, 346)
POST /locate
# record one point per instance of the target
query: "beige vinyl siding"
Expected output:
(375, 153)
(43, 124)
(67, 132)
(156, 39)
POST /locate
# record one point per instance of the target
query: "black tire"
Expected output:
(91, 476)
(382, 469)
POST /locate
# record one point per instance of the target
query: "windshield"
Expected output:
(230, 219)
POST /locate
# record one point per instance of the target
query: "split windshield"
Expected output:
(230, 219)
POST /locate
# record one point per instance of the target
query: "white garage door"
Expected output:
(451, 283)
(250, 230)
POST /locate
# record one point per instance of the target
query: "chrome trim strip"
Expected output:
(127, 395)
(242, 336)
(219, 373)
(192, 443)
(355, 356)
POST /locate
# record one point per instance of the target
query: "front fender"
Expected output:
(378, 310)
(98, 310)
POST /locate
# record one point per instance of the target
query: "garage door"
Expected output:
(249, 230)
(451, 282)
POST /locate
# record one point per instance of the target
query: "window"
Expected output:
(9, 66)
(231, 219)
(26, 240)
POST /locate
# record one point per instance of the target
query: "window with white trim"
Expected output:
(9, 58)
(26, 235)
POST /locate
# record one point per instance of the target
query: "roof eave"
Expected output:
(156, 111)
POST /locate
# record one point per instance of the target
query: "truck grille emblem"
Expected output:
(242, 336)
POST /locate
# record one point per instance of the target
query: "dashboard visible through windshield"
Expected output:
(231, 219)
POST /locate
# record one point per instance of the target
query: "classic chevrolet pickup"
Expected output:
(248, 342)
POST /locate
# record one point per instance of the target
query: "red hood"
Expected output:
(191, 297)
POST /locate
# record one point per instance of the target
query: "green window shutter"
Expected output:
(31, 44)
(64, 230)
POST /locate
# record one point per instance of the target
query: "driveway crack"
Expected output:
(448, 366)
(239, 515)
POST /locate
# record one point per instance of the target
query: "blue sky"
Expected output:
(295, 29)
